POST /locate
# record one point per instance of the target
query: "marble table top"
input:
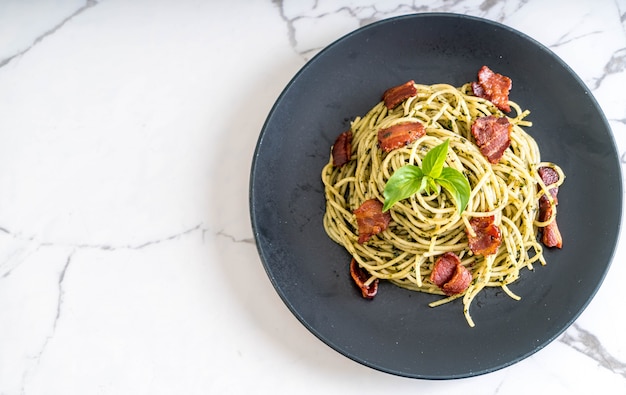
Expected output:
(127, 259)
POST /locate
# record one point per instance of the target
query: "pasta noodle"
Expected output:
(425, 226)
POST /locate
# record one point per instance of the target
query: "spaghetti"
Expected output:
(425, 226)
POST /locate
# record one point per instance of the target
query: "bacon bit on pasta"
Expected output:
(459, 282)
(360, 277)
(399, 135)
(449, 275)
(444, 268)
(486, 236)
(493, 87)
(370, 219)
(396, 95)
(342, 149)
(493, 136)
(551, 235)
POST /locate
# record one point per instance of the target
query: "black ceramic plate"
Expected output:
(397, 332)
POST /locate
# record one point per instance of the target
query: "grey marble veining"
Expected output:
(127, 262)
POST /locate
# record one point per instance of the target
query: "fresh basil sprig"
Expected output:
(411, 179)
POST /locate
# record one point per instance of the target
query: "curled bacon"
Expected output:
(360, 277)
(399, 135)
(444, 268)
(493, 136)
(342, 149)
(449, 275)
(487, 236)
(396, 95)
(459, 282)
(370, 219)
(493, 87)
(551, 235)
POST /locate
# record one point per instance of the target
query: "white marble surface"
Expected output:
(127, 262)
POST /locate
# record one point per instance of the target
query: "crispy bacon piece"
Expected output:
(493, 136)
(449, 275)
(396, 95)
(549, 176)
(360, 277)
(459, 282)
(551, 235)
(444, 268)
(399, 135)
(493, 87)
(487, 237)
(342, 149)
(370, 219)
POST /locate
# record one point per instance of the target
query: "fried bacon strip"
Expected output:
(342, 149)
(493, 136)
(360, 277)
(551, 235)
(449, 275)
(370, 219)
(487, 236)
(399, 135)
(493, 87)
(396, 95)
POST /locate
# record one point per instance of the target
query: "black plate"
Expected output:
(397, 332)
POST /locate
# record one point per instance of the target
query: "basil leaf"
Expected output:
(403, 183)
(457, 185)
(411, 179)
(431, 185)
(432, 164)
